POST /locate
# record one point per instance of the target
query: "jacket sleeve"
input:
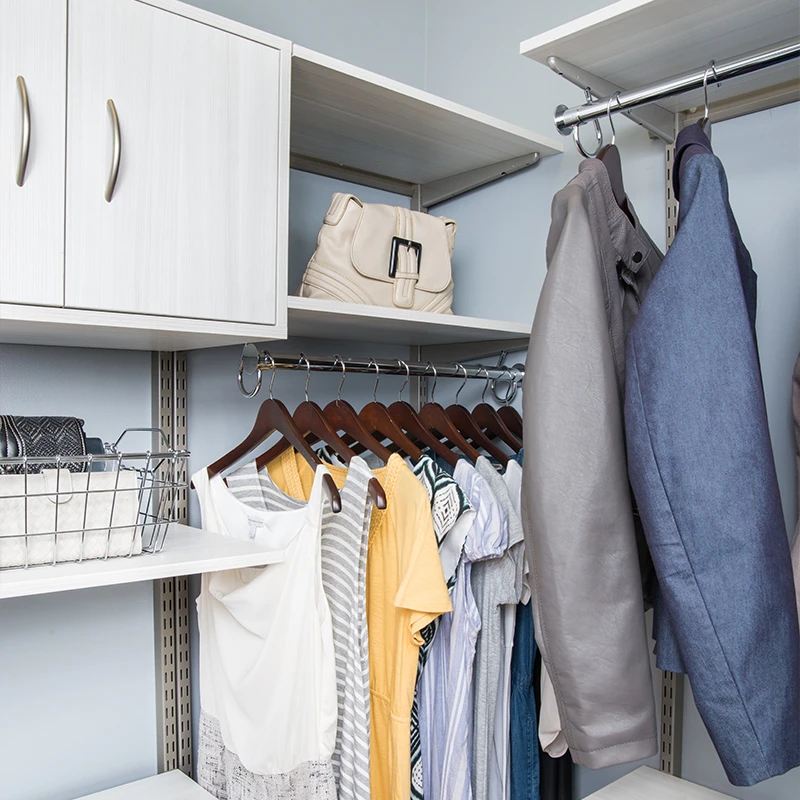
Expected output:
(577, 510)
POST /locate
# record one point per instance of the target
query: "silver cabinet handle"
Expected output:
(112, 175)
(25, 142)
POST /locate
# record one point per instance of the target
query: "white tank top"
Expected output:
(267, 664)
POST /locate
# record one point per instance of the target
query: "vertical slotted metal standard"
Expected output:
(671, 682)
(171, 595)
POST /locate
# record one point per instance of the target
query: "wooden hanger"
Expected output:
(377, 419)
(490, 421)
(315, 426)
(512, 419)
(273, 416)
(466, 425)
(435, 419)
(406, 416)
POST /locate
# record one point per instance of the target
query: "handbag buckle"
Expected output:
(398, 242)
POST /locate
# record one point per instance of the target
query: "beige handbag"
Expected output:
(382, 256)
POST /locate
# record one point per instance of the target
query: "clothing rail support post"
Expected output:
(171, 595)
(671, 705)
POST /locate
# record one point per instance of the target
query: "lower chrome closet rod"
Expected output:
(566, 118)
(374, 366)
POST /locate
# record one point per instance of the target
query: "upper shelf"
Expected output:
(186, 551)
(350, 321)
(352, 117)
(636, 42)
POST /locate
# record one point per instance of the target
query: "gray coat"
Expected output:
(577, 508)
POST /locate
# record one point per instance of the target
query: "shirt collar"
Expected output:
(632, 246)
(691, 141)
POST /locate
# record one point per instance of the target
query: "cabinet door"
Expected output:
(191, 228)
(33, 70)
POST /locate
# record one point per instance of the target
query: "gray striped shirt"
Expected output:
(344, 575)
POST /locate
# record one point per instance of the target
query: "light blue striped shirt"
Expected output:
(446, 684)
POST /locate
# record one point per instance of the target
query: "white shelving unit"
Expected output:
(632, 43)
(352, 117)
(186, 551)
(352, 322)
(172, 785)
(351, 123)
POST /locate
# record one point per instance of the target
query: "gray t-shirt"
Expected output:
(495, 582)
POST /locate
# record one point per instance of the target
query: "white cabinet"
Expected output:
(195, 227)
(33, 66)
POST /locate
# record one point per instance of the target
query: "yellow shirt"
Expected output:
(406, 590)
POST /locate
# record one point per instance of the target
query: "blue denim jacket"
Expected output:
(701, 466)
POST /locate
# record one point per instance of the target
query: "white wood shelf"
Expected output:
(186, 551)
(166, 786)
(324, 319)
(349, 116)
(66, 327)
(636, 42)
(649, 783)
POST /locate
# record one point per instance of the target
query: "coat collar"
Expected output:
(691, 141)
(631, 243)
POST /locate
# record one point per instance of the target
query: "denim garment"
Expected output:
(524, 726)
(701, 465)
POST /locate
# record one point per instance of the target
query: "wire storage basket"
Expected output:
(59, 509)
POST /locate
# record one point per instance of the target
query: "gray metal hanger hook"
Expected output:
(598, 131)
(373, 363)
(511, 393)
(274, 369)
(405, 382)
(710, 67)
(464, 382)
(486, 385)
(435, 376)
(303, 358)
(611, 99)
(337, 359)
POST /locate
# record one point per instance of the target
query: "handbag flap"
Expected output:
(372, 245)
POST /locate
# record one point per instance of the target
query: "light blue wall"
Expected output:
(77, 679)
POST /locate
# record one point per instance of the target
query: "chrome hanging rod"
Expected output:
(567, 118)
(252, 361)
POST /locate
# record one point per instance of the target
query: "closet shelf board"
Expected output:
(654, 785)
(172, 785)
(324, 319)
(633, 43)
(69, 327)
(187, 551)
(355, 118)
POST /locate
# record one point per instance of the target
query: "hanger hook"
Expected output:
(512, 386)
(405, 382)
(710, 67)
(464, 382)
(374, 363)
(435, 376)
(598, 131)
(303, 358)
(274, 369)
(611, 99)
(337, 359)
(486, 385)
